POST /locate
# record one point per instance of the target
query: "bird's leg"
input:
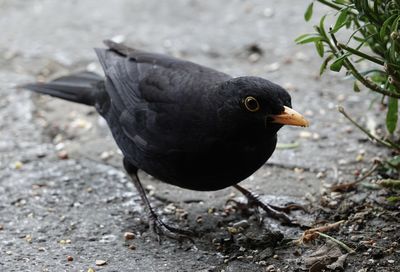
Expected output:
(156, 224)
(272, 211)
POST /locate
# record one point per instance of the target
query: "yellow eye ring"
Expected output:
(251, 104)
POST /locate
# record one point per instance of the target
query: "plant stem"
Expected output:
(361, 54)
(368, 83)
(347, 248)
(389, 144)
(329, 4)
(349, 66)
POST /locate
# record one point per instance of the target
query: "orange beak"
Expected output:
(290, 117)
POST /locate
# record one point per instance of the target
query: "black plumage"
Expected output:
(183, 123)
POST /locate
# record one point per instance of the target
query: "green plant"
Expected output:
(372, 29)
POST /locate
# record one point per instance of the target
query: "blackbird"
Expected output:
(183, 123)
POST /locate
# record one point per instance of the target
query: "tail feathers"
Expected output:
(80, 88)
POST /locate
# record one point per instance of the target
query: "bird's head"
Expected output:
(257, 104)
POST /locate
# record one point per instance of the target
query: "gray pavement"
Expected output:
(52, 208)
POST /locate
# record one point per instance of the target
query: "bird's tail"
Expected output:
(80, 87)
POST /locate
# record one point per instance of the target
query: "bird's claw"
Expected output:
(275, 212)
(160, 229)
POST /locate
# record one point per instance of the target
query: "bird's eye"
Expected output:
(251, 104)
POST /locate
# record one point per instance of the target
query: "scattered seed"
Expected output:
(101, 262)
(298, 170)
(81, 123)
(305, 134)
(18, 165)
(90, 270)
(272, 67)
(63, 155)
(232, 230)
(129, 235)
(70, 258)
(28, 238)
(105, 155)
(1, 227)
(199, 219)
(64, 242)
(360, 157)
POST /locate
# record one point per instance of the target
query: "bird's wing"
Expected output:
(138, 76)
(153, 94)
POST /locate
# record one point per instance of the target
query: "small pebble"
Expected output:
(199, 219)
(341, 97)
(264, 263)
(270, 268)
(241, 224)
(105, 155)
(290, 87)
(268, 12)
(391, 261)
(272, 67)
(1, 227)
(91, 270)
(101, 262)
(254, 57)
(129, 235)
(132, 247)
(70, 258)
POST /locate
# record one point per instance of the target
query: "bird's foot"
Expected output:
(156, 224)
(160, 229)
(275, 212)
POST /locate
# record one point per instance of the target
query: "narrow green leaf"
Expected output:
(302, 37)
(322, 27)
(325, 63)
(320, 48)
(392, 115)
(309, 12)
(385, 30)
(356, 88)
(336, 65)
(341, 20)
(308, 39)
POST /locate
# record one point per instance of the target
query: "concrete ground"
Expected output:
(52, 208)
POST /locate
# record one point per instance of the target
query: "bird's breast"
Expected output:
(213, 167)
